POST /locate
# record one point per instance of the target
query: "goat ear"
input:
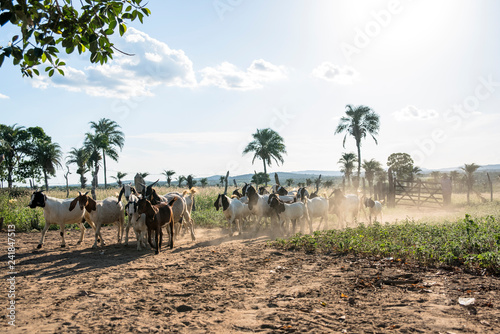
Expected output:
(225, 203)
(91, 204)
(120, 194)
(216, 203)
(73, 204)
(281, 207)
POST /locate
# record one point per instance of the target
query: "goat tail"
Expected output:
(172, 201)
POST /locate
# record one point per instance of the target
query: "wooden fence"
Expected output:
(418, 193)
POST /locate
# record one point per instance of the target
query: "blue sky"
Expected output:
(207, 74)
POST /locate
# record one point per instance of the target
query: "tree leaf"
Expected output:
(5, 17)
(123, 28)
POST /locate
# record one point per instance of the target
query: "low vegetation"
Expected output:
(472, 242)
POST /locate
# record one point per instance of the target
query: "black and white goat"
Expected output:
(374, 209)
(289, 214)
(233, 210)
(56, 211)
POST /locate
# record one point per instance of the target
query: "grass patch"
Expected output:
(473, 243)
(15, 211)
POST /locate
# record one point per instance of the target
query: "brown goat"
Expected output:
(157, 216)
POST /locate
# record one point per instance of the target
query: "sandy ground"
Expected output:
(219, 284)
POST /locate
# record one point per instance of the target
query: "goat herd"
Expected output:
(148, 212)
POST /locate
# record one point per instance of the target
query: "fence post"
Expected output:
(391, 195)
(491, 187)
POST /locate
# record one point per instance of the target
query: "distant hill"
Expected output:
(301, 176)
(485, 168)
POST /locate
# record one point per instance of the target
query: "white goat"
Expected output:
(233, 209)
(290, 213)
(55, 211)
(127, 190)
(317, 208)
(107, 211)
(374, 209)
(138, 222)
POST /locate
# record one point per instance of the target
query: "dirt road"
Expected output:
(219, 284)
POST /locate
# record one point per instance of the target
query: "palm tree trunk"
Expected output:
(81, 181)
(265, 169)
(9, 177)
(104, 163)
(46, 180)
(358, 144)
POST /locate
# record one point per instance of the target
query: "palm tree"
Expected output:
(381, 175)
(415, 171)
(181, 178)
(309, 182)
(358, 122)
(289, 182)
(168, 174)
(11, 137)
(469, 170)
(80, 158)
(267, 145)
(455, 177)
(119, 176)
(204, 182)
(191, 182)
(371, 167)
(110, 139)
(48, 156)
(91, 147)
(222, 179)
(347, 165)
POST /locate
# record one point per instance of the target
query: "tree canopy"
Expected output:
(401, 164)
(267, 145)
(45, 25)
(29, 153)
(358, 122)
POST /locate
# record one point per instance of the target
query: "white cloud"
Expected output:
(153, 64)
(343, 75)
(410, 112)
(4, 96)
(228, 76)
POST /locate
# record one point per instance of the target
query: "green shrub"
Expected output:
(471, 242)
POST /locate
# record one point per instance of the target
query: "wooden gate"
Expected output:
(418, 193)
